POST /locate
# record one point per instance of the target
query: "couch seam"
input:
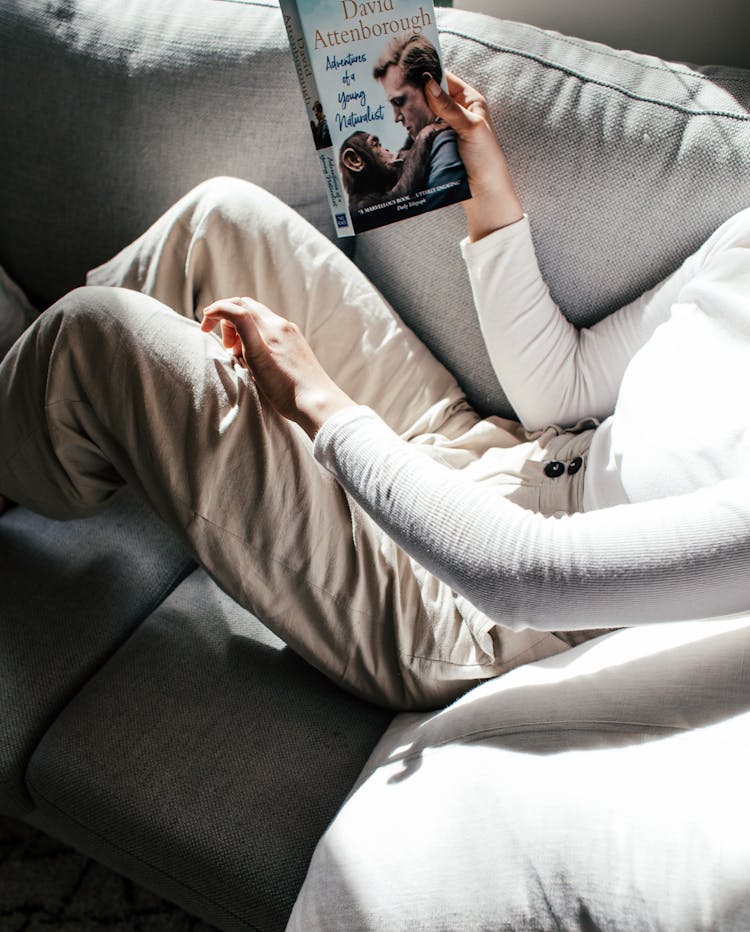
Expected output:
(136, 857)
(602, 48)
(267, 6)
(565, 69)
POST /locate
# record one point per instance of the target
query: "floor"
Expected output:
(47, 887)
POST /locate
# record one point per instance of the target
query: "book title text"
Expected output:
(362, 30)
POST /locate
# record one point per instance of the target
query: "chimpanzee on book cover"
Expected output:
(361, 65)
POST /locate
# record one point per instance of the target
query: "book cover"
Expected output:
(361, 68)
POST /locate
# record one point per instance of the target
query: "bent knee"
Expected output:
(92, 307)
(223, 188)
(235, 202)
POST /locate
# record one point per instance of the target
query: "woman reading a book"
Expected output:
(328, 471)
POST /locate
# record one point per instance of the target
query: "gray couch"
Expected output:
(155, 725)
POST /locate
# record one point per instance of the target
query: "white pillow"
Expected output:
(16, 313)
(602, 788)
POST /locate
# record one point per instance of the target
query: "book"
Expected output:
(361, 67)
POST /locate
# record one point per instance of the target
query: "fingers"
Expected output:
(444, 106)
(468, 97)
(236, 309)
(454, 82)
(239, 320)
(249, 328)
(463, 108)
(464, 93)
(225, 309)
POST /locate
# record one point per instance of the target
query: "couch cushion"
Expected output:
(204, 761)
(113, 111)
(71, 594)
(604, 788)
(625, 164)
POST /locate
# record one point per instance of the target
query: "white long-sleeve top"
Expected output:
(669, 375)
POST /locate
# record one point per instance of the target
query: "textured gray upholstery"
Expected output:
(71, 594)
(216, 758)
(112, 111)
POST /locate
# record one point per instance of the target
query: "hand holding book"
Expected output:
(360, 66)
(494, 202)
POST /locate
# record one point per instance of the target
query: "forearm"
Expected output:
(680, 558)
(319, 405)
(533, 348)
(494, 202)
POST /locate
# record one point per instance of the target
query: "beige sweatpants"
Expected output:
(112, 386)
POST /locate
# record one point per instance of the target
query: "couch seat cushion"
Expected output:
(70, 594)
(204, 761)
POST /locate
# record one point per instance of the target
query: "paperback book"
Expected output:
(362, 67)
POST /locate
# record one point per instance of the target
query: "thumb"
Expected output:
(445, 107)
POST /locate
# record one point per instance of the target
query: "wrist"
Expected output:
(487, 213)
(494, 202)
(316, 407)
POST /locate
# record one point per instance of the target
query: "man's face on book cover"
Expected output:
(408, 102)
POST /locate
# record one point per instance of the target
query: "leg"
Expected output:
(228, 237)
(111, 387)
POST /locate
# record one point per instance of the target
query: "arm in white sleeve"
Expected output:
(552, 372)
(676, 558)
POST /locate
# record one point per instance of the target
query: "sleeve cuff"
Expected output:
(495, 242)
(335, 427)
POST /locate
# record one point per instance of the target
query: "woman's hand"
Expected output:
(494, 202)
(284, 368)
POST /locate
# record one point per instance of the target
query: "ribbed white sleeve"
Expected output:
(552, 372)
(674, 558)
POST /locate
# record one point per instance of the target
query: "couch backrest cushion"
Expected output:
(625, 164)
(111, 111)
